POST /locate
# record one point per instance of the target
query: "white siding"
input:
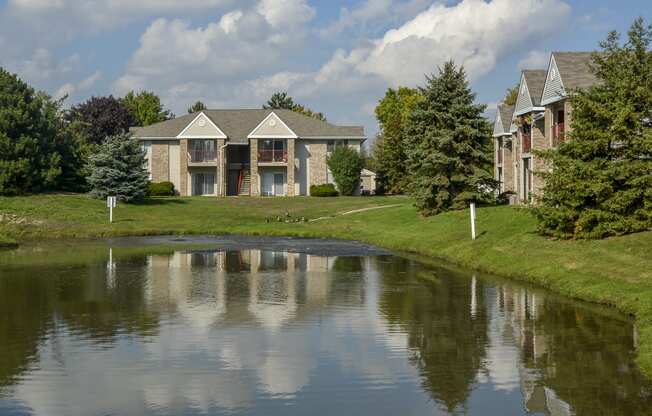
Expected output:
(523, 101)
(554, 88)
(498, 125)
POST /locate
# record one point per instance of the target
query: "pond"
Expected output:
(255, 326)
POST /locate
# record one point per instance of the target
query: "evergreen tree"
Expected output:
(117, 169)
(101, 117)
(196, 107)
(447, 145)
(393, 114)
(37, 150)
(146, 108)
(345, 165)
(601, 181)
(281, 100)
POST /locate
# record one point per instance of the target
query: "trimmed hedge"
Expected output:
(325, 190)
(161, 189)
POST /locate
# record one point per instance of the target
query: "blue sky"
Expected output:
(335, 56)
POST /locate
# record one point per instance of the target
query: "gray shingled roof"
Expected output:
(536, 80)
(574, 69)
(506, 113)
(237, 124)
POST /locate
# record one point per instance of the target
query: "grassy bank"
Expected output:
(615, 271)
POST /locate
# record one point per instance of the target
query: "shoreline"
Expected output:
(616, 272)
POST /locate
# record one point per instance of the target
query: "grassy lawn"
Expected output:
(615, 271)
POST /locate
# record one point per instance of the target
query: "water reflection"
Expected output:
(275, 332)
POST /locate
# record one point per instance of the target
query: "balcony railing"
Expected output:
(500, 156)
(527, 143)
(272, 156)
(558, 134)
(202, 155)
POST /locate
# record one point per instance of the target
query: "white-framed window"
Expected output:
(203, 183)
(332, 144)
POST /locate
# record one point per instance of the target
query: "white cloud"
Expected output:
(180, 61)
(535, 60)
(373, 13)
(69, 88)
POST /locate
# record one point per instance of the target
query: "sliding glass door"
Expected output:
(203, 183)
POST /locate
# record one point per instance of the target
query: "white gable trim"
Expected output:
(293, 135)
(220, 134)
(523, 91)
(552, 66)
(498, 125)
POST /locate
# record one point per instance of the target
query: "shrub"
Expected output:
(325, 190)
(345, 165)
(161, 189)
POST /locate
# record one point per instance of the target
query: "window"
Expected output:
(202, 151)
(272, 151)
(332, 144)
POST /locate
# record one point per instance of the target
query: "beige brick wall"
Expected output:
(221, 168)
(539, 142)
(183, 167)
(255, 180)
(160, 161)
(318, 168)
(290, 174)
(508, 165)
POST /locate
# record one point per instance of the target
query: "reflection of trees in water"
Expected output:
(448, 343)
(588, 361)
(35, 301)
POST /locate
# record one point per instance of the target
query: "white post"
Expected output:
(111, 203)
(473, 220)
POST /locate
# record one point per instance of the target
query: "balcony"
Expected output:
(527, 142)
(202, 155)
(558, 134)
(272, 156)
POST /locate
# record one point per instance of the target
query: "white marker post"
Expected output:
(473, 220)
(111, 202)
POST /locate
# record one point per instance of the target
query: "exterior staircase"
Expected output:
(244, 183)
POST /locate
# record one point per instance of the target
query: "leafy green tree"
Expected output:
(196, 107)
(447, 145)
(146, 108)
(345, 164)
(393, 114)
(101, 117)
(281, 100)
(117, 169)
(601, 181)
(37, 150)
(512, 96)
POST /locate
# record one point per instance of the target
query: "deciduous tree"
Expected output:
(101, 117)
(345, 164)
(146, 108)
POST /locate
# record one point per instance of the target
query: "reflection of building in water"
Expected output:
(513, 334)
(207, 287)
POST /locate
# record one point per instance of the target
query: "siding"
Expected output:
(523, 101)
(498, 125)
(554, 88)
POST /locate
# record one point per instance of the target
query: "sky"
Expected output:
(337, 57)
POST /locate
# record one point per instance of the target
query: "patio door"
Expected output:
(203, 184)
(279, 184)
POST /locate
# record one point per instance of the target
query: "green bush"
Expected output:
(346, 165)
(161, 189)
(325, 190)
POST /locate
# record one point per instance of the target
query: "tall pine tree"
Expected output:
(601, 181)
(117, 169)
(447, 145)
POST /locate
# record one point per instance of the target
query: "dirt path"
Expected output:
(355, 211)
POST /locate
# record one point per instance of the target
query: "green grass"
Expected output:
(616, 271)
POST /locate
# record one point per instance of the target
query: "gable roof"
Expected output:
(503, 122)
(573, 71)
(530, 90)
(238, 124)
